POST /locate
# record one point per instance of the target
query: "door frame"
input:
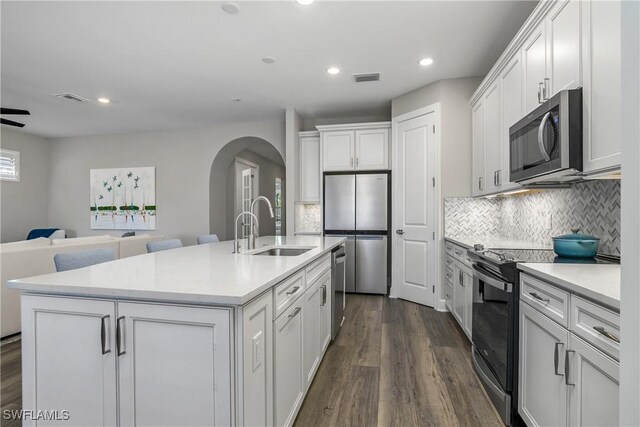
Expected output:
(395, 121)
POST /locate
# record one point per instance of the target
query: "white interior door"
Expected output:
(415, 225)
(246, 190)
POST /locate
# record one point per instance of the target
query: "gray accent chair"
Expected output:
(73, 260)
(163, 245)
(208, 238)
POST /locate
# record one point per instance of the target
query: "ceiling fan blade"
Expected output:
(14, 111)
(11, 123)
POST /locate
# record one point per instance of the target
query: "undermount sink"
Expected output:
(283, 251)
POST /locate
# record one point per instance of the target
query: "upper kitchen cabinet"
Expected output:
(492, 139)
(563, 47)
(310, 167)
(602, 86)
(477, 122)
(534, 54)
(351, 147)
(512, 110)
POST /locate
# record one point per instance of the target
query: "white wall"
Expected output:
(25, 203)
(182, 158)
(455, 132)
(294, 125)
(630, 236)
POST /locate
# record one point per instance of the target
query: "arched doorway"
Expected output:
(243, 169)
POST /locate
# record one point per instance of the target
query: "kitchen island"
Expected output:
(189, 336)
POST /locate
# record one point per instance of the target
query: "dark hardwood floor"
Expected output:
(395, 363)
(11, 380)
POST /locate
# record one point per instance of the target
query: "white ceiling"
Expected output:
(172, 65)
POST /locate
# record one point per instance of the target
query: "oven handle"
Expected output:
(543, 124)
(502, 285)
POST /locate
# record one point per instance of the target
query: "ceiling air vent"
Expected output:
(369, 77)
(71, 97)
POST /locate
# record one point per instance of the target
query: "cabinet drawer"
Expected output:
(315, 270)
(448, 295)
(545, 298)
(597, 325)
(448, 248)
(449, 262)
(449, 274)
(460, 253)
(287, 292)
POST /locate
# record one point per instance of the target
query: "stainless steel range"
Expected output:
(495, 319)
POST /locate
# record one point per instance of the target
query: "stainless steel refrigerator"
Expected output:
(357, 206)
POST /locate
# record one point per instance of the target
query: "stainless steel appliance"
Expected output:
(357, 206)
(338, 258)
(494, 332)
(546, 145)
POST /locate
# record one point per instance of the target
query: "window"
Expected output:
(9, 165)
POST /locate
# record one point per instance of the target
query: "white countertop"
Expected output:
(203, 274)
(597, 282)
(497, 242)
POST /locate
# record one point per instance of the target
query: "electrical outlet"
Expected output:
(549, 221)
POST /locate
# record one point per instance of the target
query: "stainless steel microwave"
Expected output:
(546, 145)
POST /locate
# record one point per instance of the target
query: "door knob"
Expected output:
(400, 231)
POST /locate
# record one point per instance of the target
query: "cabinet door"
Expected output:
(311, 332)
(69, 363)
(372, 149)
(602, 85)
(593, 400)
(338, 150)
(174, 365)
(563, 46)
(512, 93)
(325, 312)
(310, 169)
(542, 399)
(477, 119)
(492, 139)
(534, 56)
(288, 374)
(458, 294)
(468, 301)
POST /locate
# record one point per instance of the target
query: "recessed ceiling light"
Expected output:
(333, 70)
(268, 59)
(305, 2)
(104, 100)
(230, 7)
(425, 61)
(237, 99)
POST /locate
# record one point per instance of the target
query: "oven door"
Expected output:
(491, 329)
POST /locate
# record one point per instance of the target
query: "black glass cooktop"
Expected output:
(543, 255)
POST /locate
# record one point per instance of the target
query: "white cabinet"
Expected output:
(338, 150)
(66, 366)
(363, 146)
(492, 139)
(534, 55)
(372, 149)
(310, 167)
(477, 119)
(542, 398)
(458, 286)
(594, 397)
(467, 279)
(154, 389)
(173, 362)
(312, 299)
(288, 364)
(563, 26)
(602, 85)
(512, 110)
(325, 308)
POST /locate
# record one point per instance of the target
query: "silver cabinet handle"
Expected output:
(295, 313)
(480, 183)
(351, 162)
(602, 331)
(566, 367)
(499, 177)
(545, 89)
(539, 298)
(449, 275)
(541, 147)
(449, 247)
(448, 262)
(104, 339)
(357, 161)
(540, 93)
(556, 360)
(400, 231)
(120, 336)
(293, 291)
(324, 295)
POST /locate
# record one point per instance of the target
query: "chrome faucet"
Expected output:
(252, 236)
(236, 243)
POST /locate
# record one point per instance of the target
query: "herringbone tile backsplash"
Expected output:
(592, 206)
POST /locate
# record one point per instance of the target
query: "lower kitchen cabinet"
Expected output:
(311, 338)
(169, 364)
(325, 318)
(288, 367)
(563, 381)
(467, 279)
(542, 397)
(458, 289)
(458, 294)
